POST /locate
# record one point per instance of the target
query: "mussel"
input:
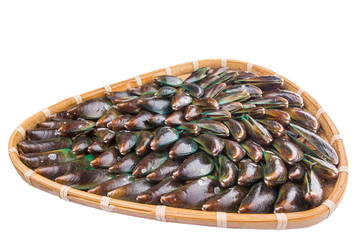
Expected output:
(260, 199)
(45, 159)
(153, 194)
(36, 146)
(90, 109)
(195, 166)
(226, 201)
(149, 163)
(163, 138)
(113, 183)
(290, 199)
(85, 179)
(209, 143)
(77, 165)
(129, 192)
(193, 194)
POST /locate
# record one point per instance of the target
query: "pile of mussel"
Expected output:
(219, 140)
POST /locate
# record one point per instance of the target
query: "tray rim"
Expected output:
(178, 215)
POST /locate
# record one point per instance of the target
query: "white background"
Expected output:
(52, 50)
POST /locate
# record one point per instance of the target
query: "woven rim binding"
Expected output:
(161, 213)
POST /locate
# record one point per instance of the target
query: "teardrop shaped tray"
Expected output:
(178, 215)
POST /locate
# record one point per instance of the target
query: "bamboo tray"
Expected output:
(178, 215)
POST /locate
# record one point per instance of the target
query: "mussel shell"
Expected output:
(80, 164)
(130, 191)
(189, 129)
(118, 123)
(294, 99)
(257, 131)
(104, 134)
(168, 80)
(236, 129)
(76, 126)
(52, 124)
(107, 158)
(232, 106)
(226, 78)
(277, 115)
(175, 119)
(149, 163)
(270, 102)
(139, 122)
(249, 172)
(226, 201)
(159, 106)
(246, 74)
(111, 114)
(81, 144)
(212, 127)
(125, 141)
(195, 166)
(249, 109)
(145, 89)
(97, 146)
(314, 193)
(254, 150)
(206, 103)
(153, 194)
(323, 169)
(220, 115)
(132, 106)
(85, 179)
(193, 89)
(163, 138)
(318, 143)
(45, 159)
(193, 194)
(227, 171)
(111, 184)
(36, 146)
(241, 96)
(143, 142)
(183, 147)
(158, 120)
(93, 108)
(197, 75)
(290, 199)
(217, 71)
(59, 116)
(180, 100)
(126, 164)
(209, 143)
(275, 128)
(119, 96)
(252, 90)
(288, 151)
(208, 81)
(164, 171)
(234, 150)
(42, 134)
(192, 112)
(263, 82)
(275, 172)
(296, 172)
(303, 118)
(260, 199)
(215, 90)
(165, 92)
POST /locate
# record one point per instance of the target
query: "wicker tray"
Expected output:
(170, 214)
